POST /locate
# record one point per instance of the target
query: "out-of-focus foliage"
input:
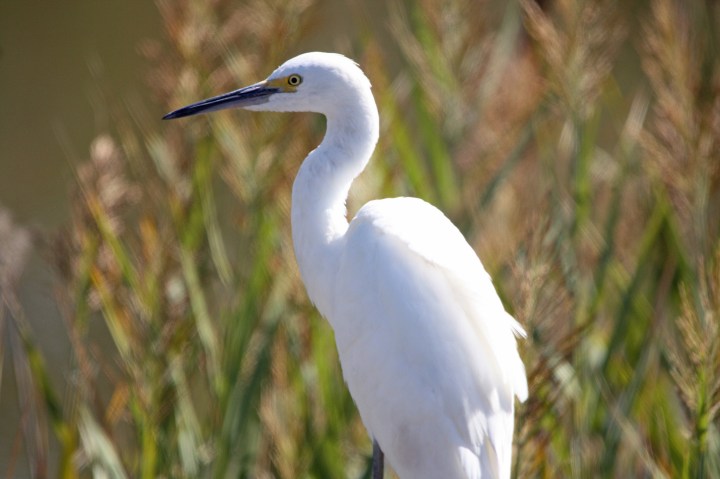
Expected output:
(576, 144)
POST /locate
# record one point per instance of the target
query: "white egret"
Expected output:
(426, 347)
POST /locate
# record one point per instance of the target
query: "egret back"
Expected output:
(426, 346)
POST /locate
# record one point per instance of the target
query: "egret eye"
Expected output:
(294, 80)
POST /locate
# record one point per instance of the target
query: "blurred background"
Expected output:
(152, 321)
(53, 60)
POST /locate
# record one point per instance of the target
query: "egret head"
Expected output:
(315, 82)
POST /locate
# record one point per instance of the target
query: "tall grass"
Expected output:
(576, 145)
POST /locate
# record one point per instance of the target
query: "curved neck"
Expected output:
(321, 187)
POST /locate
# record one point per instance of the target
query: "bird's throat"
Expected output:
(319, 194)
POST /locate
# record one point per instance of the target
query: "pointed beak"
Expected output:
(250, 95)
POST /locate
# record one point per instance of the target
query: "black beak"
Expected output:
(250, 95)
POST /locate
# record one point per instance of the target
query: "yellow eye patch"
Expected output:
(286, 84)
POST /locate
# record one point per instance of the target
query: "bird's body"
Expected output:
(426, 347)
(429, 356)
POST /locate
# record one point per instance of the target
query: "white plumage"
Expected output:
(427, 349)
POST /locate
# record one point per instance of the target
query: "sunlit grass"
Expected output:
(593, 203)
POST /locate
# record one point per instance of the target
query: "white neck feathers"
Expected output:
(321, 188)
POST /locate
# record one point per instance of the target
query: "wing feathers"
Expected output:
(426, 284)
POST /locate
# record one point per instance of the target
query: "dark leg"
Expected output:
(378, 466)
